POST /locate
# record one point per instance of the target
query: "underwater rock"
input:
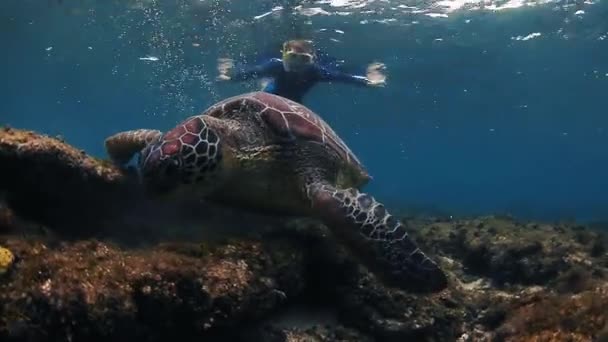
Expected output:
(89, 290)
(46, 179)
(511, 253)
(545, 316)
(312, 334)
(336, 278)
(393, 315)
(94, 291)
(498, 267)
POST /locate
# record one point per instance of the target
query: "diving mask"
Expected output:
(297, 59)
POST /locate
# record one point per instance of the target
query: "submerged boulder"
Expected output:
(514, 253)
(95, 291)
(552, 317)
(52, 182)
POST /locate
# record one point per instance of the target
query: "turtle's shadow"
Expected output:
(151, 221)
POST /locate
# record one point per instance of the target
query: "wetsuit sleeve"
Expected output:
(338, 76)
(266, 69)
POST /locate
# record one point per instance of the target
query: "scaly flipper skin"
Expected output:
(377, 237)
(121, 147)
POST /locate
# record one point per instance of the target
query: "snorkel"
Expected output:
(297, 55)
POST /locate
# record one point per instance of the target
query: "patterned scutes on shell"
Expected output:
(290, 121)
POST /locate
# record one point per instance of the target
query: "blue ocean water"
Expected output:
(490, 107)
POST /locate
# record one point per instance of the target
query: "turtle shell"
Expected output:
(290, 121)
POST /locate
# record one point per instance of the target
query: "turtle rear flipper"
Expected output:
(376, 237)
(121, 147)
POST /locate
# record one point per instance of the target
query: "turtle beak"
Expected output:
(159, 176)
(163, 179)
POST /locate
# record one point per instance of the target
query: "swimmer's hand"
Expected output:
(376, 83)
(375, 75)
(224, 66)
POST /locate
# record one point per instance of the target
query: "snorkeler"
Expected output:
(297, 72)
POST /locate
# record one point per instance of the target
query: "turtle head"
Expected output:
(185, 156)
(160, 171)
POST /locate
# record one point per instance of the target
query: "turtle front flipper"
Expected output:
(121, 147)
(376, 237)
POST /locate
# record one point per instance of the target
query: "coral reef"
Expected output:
(72, 278)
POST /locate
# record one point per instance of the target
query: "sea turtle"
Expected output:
(264, 152)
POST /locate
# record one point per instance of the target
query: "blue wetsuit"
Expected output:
(294, 85)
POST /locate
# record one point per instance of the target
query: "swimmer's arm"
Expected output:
(338, 76)
(267, 69)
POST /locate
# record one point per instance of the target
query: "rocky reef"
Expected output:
(79, 264)
(40, 174)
